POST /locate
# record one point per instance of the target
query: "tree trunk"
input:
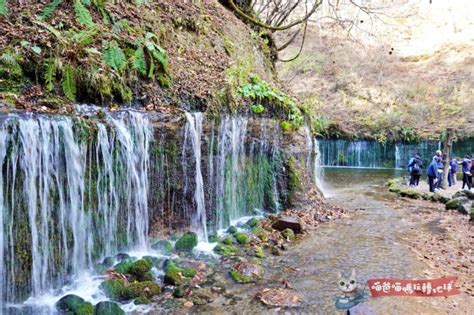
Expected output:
(447, 156)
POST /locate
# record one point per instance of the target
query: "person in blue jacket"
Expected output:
(432, 173)
(453, 172)
(466, 172)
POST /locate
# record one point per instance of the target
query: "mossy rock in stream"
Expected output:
(175, 275)
(108, 308)
(141, 269)
(245, 272)
(187, 242)
(232, 230)
(259, 252)
(163, 246)
(146, 289)
(108, 262)
(123, 267)
(228, 240)
(154, 261)
(288, 234)
(69, 303)
(86, 308)
(113, 288)
(253, 222)
(226, 250)
(242, 238)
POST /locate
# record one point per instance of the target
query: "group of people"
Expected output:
(435, 171)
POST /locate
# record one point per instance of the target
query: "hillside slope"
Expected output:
(394, 80)
(159, 54)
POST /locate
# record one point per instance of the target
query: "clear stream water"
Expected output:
(370, 241)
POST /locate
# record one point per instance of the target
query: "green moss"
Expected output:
(242, 238)
(293, 176)
(288, 234)
(232, 230)
(163, 246)
(140, 267)
(187, 242)
(123, 267)
(228, 240)
(253, 222)
(113, 288)
(179, 292)
(409, 193)
(259, 252)
(146, 289)
(70, 303)
(154, 261)
(85, 309)
(239, 278)
(226, 250)
(263, 236)
(108, 308)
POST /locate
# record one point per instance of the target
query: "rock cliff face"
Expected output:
(402, 72)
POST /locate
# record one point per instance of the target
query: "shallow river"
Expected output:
(370, 241)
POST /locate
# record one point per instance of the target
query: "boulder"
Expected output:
(108, 308)
(146, 289)
(122, 257)
(462, 204)
(242, 238)
(141, 270)
(464, 193)
(113, 288)
(187, 242)
(69, 303)
(225, 250)
(244, 272)
(108, 262)
(293, 223)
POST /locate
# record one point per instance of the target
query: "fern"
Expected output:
(82, 14)
(69, 83)
(139, 62)
(49, 9)
(50, 68)
(10, 61)
(3, 7)
(84, 38)
(113, 56)
(86, 2)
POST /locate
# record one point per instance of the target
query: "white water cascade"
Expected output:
(194, 132)
(66, 201)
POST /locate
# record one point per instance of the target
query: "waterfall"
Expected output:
(230, 157)
(194, 132)
(64, 204)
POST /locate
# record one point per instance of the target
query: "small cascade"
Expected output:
(69, 195)
(194, 133)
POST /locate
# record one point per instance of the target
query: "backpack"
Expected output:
(416, 168)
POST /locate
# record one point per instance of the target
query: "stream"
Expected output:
(370, 241)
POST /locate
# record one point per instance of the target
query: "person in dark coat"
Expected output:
(453, 173)
(414, 167)
(440, 162)
(432, 173)
(466, 172)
